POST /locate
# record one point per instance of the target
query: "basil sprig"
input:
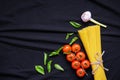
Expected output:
(49, 68)
(45, 58)
(75, 24)
(68, 35)
(58, 67)
(73, 40)
(40, 69)
(56, 52)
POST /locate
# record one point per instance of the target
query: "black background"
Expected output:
(28, 28)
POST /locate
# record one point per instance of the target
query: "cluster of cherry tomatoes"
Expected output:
(77, 58)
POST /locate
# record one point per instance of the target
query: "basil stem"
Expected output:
(75, 24)
(40, 69)
(45, 58)
(68, 35)
(58, 67)
(56, 52)
(73, 40)
(49, 67)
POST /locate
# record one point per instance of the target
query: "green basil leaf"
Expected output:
(59, 49)
(68, 35)
(58, 67)
(40, 69)
(75, 24)
(45, 58)
(49, 67)
(54, 53)
(73, 40)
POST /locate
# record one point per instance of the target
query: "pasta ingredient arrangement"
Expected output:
(79, 60)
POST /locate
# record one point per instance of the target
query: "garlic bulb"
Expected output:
(86, 16)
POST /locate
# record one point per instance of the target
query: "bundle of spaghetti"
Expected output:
(91, 39)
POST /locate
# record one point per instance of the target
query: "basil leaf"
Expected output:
(68, 35)
(49, 67)
(45, 58)
(39, 69)
(56, 52)
(73, 40)
(58, 67)
(75, 24)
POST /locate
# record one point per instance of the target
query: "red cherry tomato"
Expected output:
(75, 64)
(66, 49)
(85, 64)
(76, 47)
(80, 56)
(70, 57)
(80, 72)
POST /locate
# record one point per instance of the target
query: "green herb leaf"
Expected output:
(68, 35)
(56, 52)
(45, 58)
(73, 40)
(75, 24)
(49, 67)
(58, 67)
(39, 69)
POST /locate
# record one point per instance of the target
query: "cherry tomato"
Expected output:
(75, 64)
(80, 56)
(85, 64)
(70, 57)
(66, 49)
(76, 47)
(80, 72)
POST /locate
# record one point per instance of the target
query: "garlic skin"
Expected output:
(86, 16)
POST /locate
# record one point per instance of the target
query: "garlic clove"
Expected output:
(86, 16)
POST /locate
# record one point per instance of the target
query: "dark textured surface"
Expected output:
(28, 28)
